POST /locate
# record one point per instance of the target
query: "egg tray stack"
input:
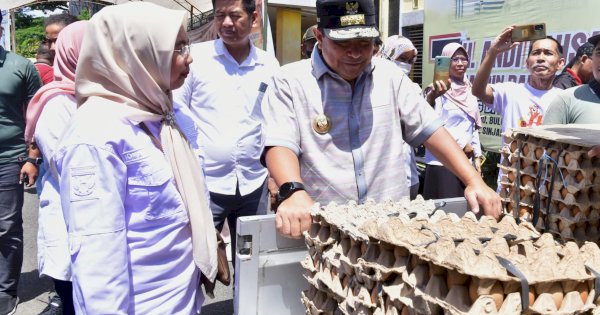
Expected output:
(395, 263)
(336, 247)
(558, 184)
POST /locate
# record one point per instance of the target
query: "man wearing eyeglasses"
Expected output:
(224, 92)
(19, 81)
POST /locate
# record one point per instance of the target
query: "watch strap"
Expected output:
(34, 161)
(286, 190)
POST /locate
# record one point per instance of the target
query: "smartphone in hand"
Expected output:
(441, 69)
(529, 32)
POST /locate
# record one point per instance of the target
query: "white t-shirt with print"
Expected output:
(520, 105)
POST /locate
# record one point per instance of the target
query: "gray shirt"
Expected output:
(578, 105)
(362, 155)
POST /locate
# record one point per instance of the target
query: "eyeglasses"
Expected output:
(184, 51)
(460, 59)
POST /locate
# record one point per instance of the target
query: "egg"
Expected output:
(579, 176)
(568, 158)
(565, 173)
(345, 281)
(526, 179)
(538, 153)
(405, 311)
(531, 295)
(583, 290)
(564, 192)
(575, 210)
(513, 146)
(497, 293)
(374, 295)
(525, 150)
(455, 278)
(562, 225)
(554, 154)
(523, 211)
(557, 294)
(511, 176)
(587, 211)
(473, 285)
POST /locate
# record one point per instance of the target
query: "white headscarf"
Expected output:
(396, 45)
(393, 47)
(126, 65)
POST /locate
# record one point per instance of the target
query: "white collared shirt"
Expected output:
(225, 99)
(130, 240)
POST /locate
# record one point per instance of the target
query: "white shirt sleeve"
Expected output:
(500, 98)
(93, 182)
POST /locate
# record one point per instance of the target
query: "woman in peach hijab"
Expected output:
(133, 193)
(459, 110)
(48, 113)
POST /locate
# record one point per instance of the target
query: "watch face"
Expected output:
(285, 189)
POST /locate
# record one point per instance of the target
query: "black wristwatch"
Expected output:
(34, 161)
(286, 190)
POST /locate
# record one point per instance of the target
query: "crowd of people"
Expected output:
(142, 145)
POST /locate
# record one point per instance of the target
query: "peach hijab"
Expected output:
(126, 66)
(68, 45)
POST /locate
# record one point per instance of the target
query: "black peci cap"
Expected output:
(594, 40)
(345, 20)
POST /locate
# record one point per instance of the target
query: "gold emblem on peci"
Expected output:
(351, 8)
(356, 19)
(321, 124)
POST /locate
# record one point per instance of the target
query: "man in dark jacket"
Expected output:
(578, 70)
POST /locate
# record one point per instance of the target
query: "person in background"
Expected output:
(520, 104)
(377, 42)
(403, 53)
(308, 42)
(132, 192)
(579, 105)
(224, 93)
(44, 59)
(48, 114)
(19, 80)
(336, 124)
(53, 25)
(578, 71)
(459, 110)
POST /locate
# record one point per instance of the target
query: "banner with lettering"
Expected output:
(475, 24)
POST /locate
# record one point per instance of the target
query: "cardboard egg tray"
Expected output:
(550, 180)
(377, 259)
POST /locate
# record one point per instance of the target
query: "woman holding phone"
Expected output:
(459, 110)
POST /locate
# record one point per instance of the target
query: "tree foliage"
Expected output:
(29, 38)
(30, 31)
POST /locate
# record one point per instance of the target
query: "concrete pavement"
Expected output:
(34, 292)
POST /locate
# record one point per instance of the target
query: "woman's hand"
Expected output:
(437, 89)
